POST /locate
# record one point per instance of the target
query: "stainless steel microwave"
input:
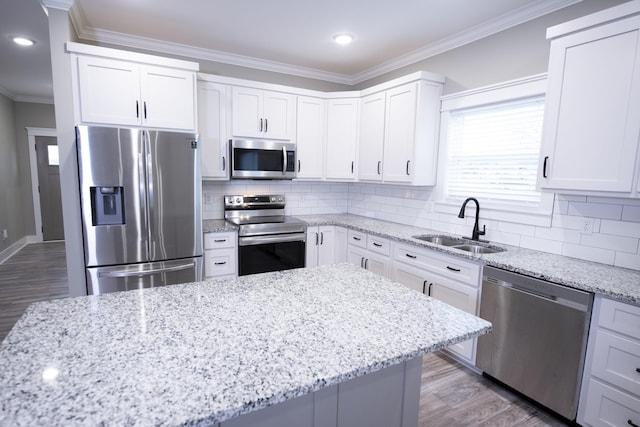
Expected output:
(262, 159)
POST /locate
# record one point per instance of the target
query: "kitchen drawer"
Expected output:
(620, 317)
(220, 240)
(449, 266)
(379, 245)
(616, 359)
(220, 262)
(606, 406)
(357, 238)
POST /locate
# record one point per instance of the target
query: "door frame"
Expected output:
(32, 132)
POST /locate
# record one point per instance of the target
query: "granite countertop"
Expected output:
(204, 352)
(615, 282)
(217, 226)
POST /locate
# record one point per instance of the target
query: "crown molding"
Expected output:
(34, 99)
(58, 4)
(524, 14)
(6, 93)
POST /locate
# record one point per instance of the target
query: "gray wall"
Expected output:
(10, 200)
(29, 114)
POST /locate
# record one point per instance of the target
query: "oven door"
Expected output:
(260, 254)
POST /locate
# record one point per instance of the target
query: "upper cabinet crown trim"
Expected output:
(615, 13)
(140, 58)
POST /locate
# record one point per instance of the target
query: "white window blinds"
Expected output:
(493, 152)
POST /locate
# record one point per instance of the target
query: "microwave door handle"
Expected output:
(284, 160)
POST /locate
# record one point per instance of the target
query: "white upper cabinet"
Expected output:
(310, 137)
(122, 92)
(342, 139)
(265, 114)
(371, 141)
(399, 132)
(592, 112)
(213, 102)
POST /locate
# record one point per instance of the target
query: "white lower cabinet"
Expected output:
(447, 278)
(610, 394)
(324, 243)
(369, 252)
(220, 255)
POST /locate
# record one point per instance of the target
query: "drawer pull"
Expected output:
(220, 263)
(631, 423)
(356, 238)
(377, 245)
(220, 240)
(453, 269)
(638, 370)
(410, 256)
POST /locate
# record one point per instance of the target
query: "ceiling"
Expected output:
(290, 36)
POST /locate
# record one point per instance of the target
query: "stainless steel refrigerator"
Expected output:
(140, 193)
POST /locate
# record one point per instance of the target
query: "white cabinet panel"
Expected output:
(263, 114)
(400, 134)
(213, 128)
(342, 139)
(310, 138)
(606, 407)
(371, 138)
(117, 92)
(321, 245)
(592, 112)
(220, 255)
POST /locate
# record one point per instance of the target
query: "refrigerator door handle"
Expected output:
(147, 183)
(139, 273)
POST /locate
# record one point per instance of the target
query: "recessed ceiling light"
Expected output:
(22, 41)
(343, 38)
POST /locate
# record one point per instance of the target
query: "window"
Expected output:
(490, 147)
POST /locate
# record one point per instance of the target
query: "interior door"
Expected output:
(49, 188)
(173, 195)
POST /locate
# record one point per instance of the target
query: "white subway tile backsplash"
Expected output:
(595, 210)
(608, 241)
(510, 227)
(620, 228)
(631, 213)
(545, 245)
(627, 260)
(603, 256)
(558, 234)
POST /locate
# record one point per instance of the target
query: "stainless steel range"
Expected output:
(268, 240)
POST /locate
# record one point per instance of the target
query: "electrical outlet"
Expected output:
(5, 234)
(587, 226)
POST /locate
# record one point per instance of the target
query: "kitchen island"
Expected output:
(304, 347)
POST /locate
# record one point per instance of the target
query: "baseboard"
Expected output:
(16, 246)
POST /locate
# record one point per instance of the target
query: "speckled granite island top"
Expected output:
(614, 282)
(204, 352)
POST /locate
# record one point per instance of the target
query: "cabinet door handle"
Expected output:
(429, 291)
(144, 108)
(220, 240)
(408, 161)
(316, 239)
(260, 125)
(224, 164)
(632, 424)
(379, 163)
(544, 166)
(366, 264)
(453, 269)
(356, 238)
(377, 245)
(298, 165)
(137, 110)
(361, 262)
(266, 125)
(220, 263)
(352, 166)
(424, 287)
(322, 237)
(638, 370)
(410, 256)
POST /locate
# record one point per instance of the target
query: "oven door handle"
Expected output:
(280, 238)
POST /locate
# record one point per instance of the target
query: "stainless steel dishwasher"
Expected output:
(539, 337)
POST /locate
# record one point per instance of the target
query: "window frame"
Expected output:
(511, 91)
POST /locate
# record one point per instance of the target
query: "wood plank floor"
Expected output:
(37, 272)
(451, 396)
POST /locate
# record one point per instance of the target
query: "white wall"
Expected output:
(614, 238)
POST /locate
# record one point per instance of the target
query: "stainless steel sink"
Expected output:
(442, 240)
(459, 243)
(479, 249)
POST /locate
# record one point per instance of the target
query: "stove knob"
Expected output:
(281, 199)
(238, 200)
(230, 200)
(273, 198)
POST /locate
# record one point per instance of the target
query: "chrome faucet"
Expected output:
(476, 233)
